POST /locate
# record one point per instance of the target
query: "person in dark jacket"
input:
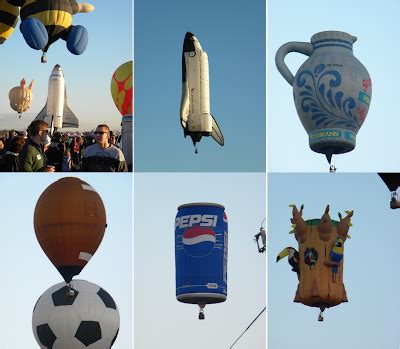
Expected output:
(55, 152)
(9, 161)
(32, 158)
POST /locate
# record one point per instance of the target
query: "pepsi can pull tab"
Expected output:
(201, 254)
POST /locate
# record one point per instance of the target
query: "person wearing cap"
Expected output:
(32, 157)
(103, 156)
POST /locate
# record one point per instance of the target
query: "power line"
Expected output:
(247, 328)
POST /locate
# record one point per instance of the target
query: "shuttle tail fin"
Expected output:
(69, 118)
(43, 115)
(216, 132)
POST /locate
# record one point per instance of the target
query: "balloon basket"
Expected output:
(201, 315)
(71, 291)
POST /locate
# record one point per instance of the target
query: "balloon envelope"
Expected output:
(88, 319)
(8, 19)
(21, 97)
(201, 253)
(122, 88)
(69, 220)
(392, 180)
(320, 274)
(46, 22)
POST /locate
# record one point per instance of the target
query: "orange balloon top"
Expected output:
(69, 221)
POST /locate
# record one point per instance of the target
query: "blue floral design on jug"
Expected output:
(322, 99)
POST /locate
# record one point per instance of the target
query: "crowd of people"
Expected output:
(35, 151)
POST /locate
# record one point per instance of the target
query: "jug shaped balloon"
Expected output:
(69, 220)
(332, 90)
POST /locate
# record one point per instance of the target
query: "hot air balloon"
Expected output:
(196, 118)
(332, 91)
(201, 254)
(88, 319)
(319, 259)
(8, 19)
(122, 88)
(122, 94)
(392, 181)
(43, 22)
(21, 97)
(69, 222)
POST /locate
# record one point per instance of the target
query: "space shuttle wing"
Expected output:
(43, 115)
(184, 105)
(216, 132)
(69, 118)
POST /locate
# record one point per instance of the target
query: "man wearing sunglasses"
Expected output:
(32, 157)
(103, 156)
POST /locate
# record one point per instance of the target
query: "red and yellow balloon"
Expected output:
(122, 88)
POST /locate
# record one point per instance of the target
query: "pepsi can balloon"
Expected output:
(332, 90)
(201, 254)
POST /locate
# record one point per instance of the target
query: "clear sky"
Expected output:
(371, 273)
(27, 272)
(160, 320)
(377, 48)
(233, 35)
(87, 76)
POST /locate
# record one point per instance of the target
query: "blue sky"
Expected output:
(87, 76)
(370, 318)
(233, 35)
(27, 272)
(378, 50)
(160, 320)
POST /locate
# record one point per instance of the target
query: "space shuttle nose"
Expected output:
(188, 45)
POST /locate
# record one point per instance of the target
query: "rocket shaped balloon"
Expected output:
(196, 119)
(69, 221)
(56, 112)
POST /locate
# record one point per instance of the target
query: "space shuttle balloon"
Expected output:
(56, 112)
(196, 119)
(69, 220)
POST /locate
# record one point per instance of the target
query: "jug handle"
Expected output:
(301, 47)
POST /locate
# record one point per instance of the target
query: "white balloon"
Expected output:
(89, 319)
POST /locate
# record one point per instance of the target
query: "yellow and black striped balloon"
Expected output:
(8, 19)
(56, 15)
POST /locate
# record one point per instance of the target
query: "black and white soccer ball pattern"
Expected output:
(88, 319)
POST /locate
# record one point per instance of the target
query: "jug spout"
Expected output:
(332, 35)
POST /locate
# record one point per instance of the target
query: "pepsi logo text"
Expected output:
(205, 220)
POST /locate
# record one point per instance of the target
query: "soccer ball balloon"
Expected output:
(87, 319)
